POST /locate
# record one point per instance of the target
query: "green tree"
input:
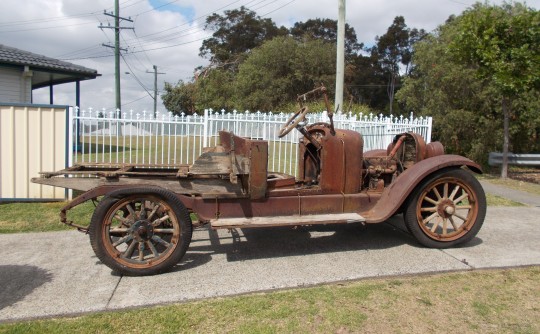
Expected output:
(366, 81)
(394, 50)
(179, 98)
(453, 95)
(275, 73)
(503, 44)
(235, 33)
(215, 89)
(326, 29)
(463, 100)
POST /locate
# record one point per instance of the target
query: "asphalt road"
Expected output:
(56, 273)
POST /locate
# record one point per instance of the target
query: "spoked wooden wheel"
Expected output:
(447, 209)
(140, 234)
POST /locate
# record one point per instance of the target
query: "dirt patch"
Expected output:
(533, 177)
(525, 174)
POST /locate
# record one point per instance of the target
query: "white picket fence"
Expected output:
(139, 138)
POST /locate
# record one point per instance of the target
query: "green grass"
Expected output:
(40, 217)
(494, 200)
(498, 301)
(144, 149)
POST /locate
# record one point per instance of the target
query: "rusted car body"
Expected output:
(143, 222)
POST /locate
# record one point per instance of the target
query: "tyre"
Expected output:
(446, 209)
(140, 231)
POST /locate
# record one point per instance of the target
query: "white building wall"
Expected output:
(15, 85)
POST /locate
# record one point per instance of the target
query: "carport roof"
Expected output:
(47, 71)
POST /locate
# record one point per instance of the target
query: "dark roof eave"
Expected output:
(63, 71)
(65, 80)
(14, 56)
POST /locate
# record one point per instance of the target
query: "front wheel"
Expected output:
(447, 209)
(140, 231)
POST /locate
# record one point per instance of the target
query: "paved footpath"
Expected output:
(56, 273)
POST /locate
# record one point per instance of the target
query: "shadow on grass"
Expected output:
(94, 148)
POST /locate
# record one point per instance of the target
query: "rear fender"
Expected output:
(397, 193)
(92, 194)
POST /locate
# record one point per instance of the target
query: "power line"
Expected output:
(158, 7)
(275, 10)
(50, 19)
(199, 39)
(461, 3)
(51, 27)
(73, 53)
(135, 56)
(135, 76)
(199, 18)
(189, 22)
(130, 102)
(82, 53)
(171, 46)
(194, 30)
(89, 57)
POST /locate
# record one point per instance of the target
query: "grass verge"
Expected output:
(498, 301)
(40, 217)
(494, 200)
(514, 184)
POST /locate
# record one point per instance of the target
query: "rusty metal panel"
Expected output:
(258, 157)
(248, 157)
(340, 160)
(396, 194)
(206, 187)
(301, 203)
(434, 149)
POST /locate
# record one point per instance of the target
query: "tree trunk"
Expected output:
(391, 91)
(506, 115)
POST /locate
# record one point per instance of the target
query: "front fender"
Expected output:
(396, 194)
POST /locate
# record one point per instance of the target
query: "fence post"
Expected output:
(388, 130)
(205, 128)
(430, 126)
(69, 134)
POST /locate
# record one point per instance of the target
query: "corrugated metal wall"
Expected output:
(33, 138)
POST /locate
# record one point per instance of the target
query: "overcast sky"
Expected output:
(169, 33)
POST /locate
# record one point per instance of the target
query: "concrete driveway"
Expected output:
(56, 273)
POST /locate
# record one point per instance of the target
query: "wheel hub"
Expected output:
(142, 230)
(446, 208)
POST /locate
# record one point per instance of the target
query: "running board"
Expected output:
(338, 218)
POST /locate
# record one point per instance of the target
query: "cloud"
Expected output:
(171, 35)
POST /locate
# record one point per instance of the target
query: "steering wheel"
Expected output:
(293, 121)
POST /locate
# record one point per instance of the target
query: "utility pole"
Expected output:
(117, 48)
(155, 87)
(340, 57)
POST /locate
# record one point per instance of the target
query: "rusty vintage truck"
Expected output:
(143, 224)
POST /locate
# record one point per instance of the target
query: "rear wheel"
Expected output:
(446, 209)
(140, 231)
